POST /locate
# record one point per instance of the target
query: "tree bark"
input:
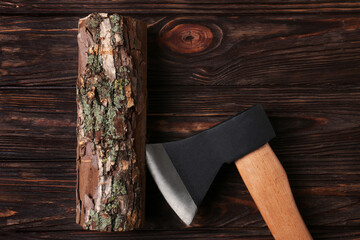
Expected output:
(111, 122)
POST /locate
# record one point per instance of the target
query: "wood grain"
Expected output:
(300, 60)
(51, 193)
(326, 234)
(213, 233)
(261, 51)
(305, 120)
(177, 7)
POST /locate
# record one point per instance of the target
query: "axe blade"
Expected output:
(185, 169)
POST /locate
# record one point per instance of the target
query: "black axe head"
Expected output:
(185, 169)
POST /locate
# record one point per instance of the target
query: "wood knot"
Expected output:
(187, 37)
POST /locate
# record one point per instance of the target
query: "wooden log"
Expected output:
(111, 123)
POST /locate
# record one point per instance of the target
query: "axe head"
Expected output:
(185, 169)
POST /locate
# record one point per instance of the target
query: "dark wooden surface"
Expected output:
(208, 60)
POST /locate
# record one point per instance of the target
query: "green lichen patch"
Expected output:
(110, 115)
(93, 24)
(87, 113)
(94, 220)
(118, 188)
(98, 113)
(123, 69)
(122, 75)
(95, 63)
(119, 84)
(105, 221)
(118, 100)
(111, 207)
(113, 155)
(98, 221)
(117, 28)
(104, 90)
(114, 19)
(102, 101)
(93, 21)
(117, 222)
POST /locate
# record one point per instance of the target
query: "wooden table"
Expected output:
(208, 60)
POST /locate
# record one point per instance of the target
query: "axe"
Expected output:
(185, 169)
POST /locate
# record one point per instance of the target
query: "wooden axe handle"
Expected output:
(268, 185)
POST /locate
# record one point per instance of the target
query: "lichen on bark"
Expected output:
(105, 129)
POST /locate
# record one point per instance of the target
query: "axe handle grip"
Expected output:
(268, 185)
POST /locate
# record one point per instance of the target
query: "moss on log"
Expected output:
(111, 122)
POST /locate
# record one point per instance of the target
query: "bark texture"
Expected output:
(111, 122)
